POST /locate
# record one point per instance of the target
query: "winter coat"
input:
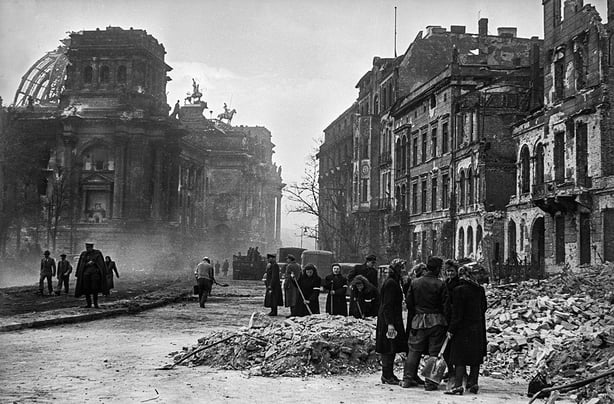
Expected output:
(310, 286)
(390, 312)
(339, 284)
(111, 267)
(428, 303)
(468, 324)
(366, 271)
(365, 303)
(292, 296)
(98, 263)
(273, 296)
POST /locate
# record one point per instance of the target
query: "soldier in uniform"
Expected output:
(64, 271)
(91, 275)
(47, 272)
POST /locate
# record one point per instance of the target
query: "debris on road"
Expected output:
(299, 346)
(563, 325)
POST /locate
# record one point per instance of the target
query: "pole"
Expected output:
(395, 31)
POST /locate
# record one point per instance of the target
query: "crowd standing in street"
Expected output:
(64, 271)
(335, 287)
(47, 273)
(91, 275)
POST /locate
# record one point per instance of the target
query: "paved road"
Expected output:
(114, 361)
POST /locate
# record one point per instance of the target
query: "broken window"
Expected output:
(539, 164)
(434, 142)
(524, 170)
(469, 187)
(88, 74)
(581, 62)
(511, 241)
(423, 157)
(121, 74)
(559, 74)
(582, 178)
(424, 191)
(559, 157)
(445, 138)
(559, 242)
(461, 243)
(414, 198)
(403, 200)
(461, 185)
(434, 194)
(469, 240)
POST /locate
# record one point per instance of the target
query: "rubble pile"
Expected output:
(563, 325)
(299, 346)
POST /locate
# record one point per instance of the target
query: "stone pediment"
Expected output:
(97, 178)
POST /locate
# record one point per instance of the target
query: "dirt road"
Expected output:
(115, 360)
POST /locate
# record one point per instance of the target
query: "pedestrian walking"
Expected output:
(204, 279)
(291, 277)
(309, 284)
(335, 285)
(273, 296)
(225, 266)
(390, 332)
(64, 271)
(428, 311)
(363, 294)
(467, 331)
(91, 275)
(111, 268)
(47, 272)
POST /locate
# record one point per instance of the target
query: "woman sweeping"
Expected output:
(335, 285)
(309, 286)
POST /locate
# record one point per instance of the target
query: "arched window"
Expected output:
(397, 198)
(105, 75)
(539, 164)
(121, 74)
(376, 104)
(398, 154)
(478, 238)
(469, 240)
(461, 184)
(461, 243)
(524, 170)
(404, 154)
(88, 74)
(98, 158)
(511, 241)
(403, 193)
(469, 188)
(523, 229)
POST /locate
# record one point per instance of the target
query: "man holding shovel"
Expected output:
(428, 311)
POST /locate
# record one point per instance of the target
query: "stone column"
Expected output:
(156, 198)
(120, 177)
(173, 181)
(135, 179)
(278, 218)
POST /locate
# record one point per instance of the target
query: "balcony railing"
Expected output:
(385, 159)
(384, 203)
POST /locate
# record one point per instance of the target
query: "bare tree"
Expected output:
(59, 196)
(327, 200)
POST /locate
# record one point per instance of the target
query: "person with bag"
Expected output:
(428, 313)
(467, 331)
(390, 332)
(273, 296)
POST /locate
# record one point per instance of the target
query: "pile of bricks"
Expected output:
(318, 344)
(563, 326)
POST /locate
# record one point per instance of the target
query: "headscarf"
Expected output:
(466, 274)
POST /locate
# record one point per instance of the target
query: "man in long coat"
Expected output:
(293, 272)
(91, 275)
(273, 296)
(47, 272)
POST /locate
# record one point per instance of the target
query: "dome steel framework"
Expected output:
(44, 81)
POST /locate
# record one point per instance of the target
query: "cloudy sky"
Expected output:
(288, 65)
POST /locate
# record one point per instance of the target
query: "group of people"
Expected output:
(302, 288)
(224, 266)
(94, 274)
(450, 312)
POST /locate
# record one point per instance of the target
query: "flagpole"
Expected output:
(395, 31)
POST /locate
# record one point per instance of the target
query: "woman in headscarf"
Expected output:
(390, 337)
(335, 285)
(363, 296)
(467, 331)
(309, 285)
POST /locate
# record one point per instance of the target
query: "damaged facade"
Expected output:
(115, 168)
(563, 208)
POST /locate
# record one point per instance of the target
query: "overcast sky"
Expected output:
(288, 65)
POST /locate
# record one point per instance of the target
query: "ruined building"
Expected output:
(115, 168)
(563, 208)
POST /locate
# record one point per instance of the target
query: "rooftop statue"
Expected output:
(227, 114)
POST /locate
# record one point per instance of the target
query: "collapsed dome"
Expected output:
(44, 81)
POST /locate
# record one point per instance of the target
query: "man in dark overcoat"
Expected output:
(91, 275)
(428, 312)
(47, 272)
(368, 270)
(64, 271)
(293, 272)
(273, 296)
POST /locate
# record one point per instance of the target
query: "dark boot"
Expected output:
(472, 379)
(96, 300)
(88, 301)
(388, 376)
(410, 370)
